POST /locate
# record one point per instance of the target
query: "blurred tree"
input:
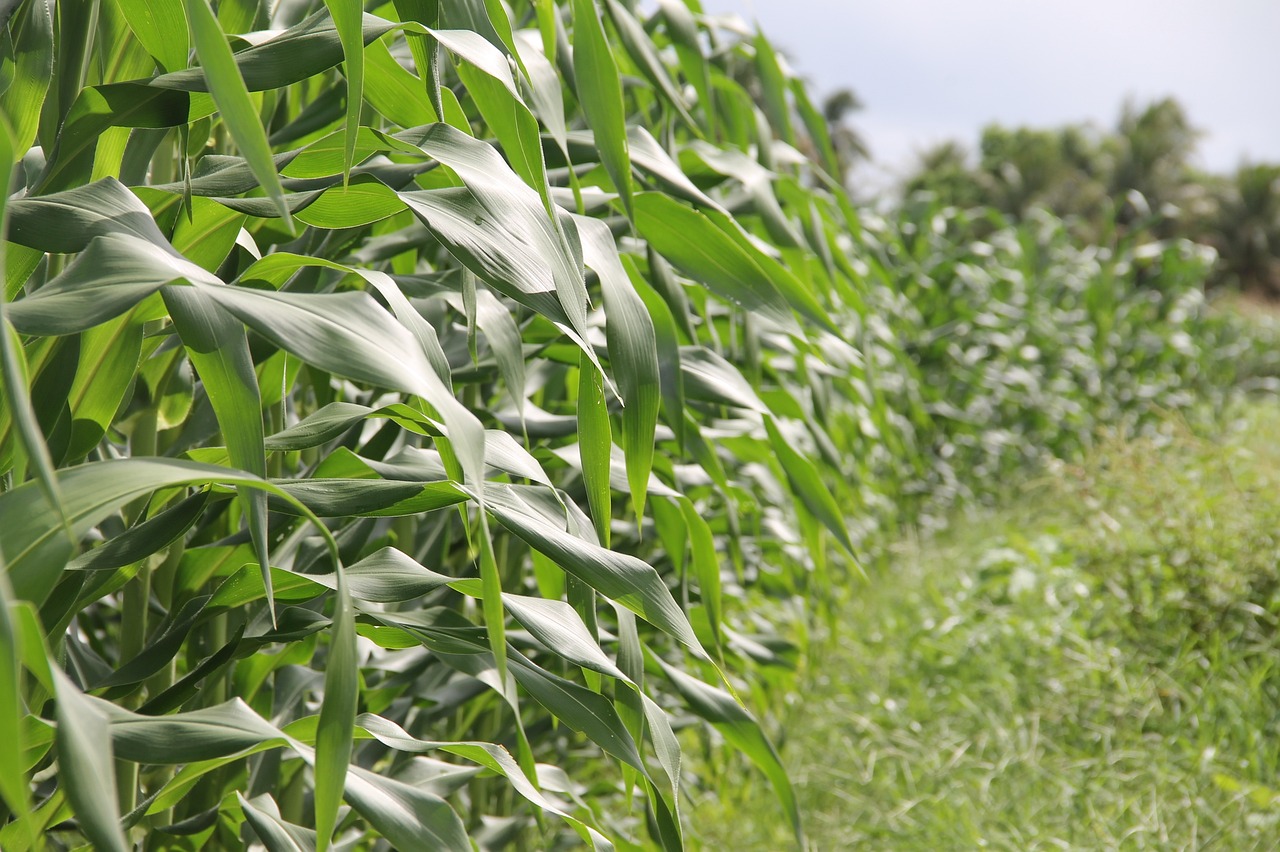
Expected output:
(848, 142)
(1060, 169)
(944, 172)
(1152, 149)
(1247, 230)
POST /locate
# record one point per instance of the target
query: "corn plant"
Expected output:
(396, 398)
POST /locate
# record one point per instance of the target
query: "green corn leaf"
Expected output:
(490, 84)
(633, 355)
(600, 93)
(309, 47)
(85, 765)
(219, 350)
(808, 486)
(33, 53)
(394, 92)
(161, 27)
(708, 255)
(365, 344)
(12, 366)
(145, 538)
(337, 718)
(741, 728)
(595, 440)
(263, 816)
(13, 775)
(667, 341)
(227, 86)
(774, 84)
(34, 545)
(544, 87)
(623, 578)
(706, 565)
(406, 816)
(642, 52)
(348, 21)
(110, 278)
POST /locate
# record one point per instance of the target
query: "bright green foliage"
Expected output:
(343, 446)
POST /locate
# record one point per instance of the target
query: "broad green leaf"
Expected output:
(161, 27)
(579, 708)
(542, 246)
(263, 816)
(13, 371)
(219, 351)
(489, 755)
(33, 51)
(643, 53)
(807, 484)
(348, 334)
(740, 728)
(774, 86)
(32, 537)
(558, 626)
(509, 119)
(503, 336)
(339, 498)
(633, 355)
(145, 538)
(85, 767)
(625, 579)
(187, 737)
(406, 816)
(337, 718)
(206, 236)
(361, 202)
(600, 93)
(68, 221)
(667, 340)
(111, 277)
(108, 362)
(303, 50)
(710, 256)
(232, 97)
(13, 776)
(595, 440)
(709, 376)
(544, 87)
(348, 21)
(706, 565)
(394, 92)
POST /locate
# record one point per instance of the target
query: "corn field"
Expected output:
(406, 403)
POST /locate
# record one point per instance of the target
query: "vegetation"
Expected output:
(1090, 666)
(1097, 178)
(444, 424)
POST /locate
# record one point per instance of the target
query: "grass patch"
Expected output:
(1093, 666)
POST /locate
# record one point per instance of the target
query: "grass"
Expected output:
(1092, 666)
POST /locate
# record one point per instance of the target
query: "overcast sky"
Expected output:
(930, 70)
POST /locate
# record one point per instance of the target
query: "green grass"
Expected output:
(1093, 666)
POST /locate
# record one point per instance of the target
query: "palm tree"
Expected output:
(1152, 147)
(848, 142)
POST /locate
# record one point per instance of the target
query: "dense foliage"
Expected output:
(1094, 176)
(1088, 665)
(402, 405)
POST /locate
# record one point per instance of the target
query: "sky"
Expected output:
(931, 70)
